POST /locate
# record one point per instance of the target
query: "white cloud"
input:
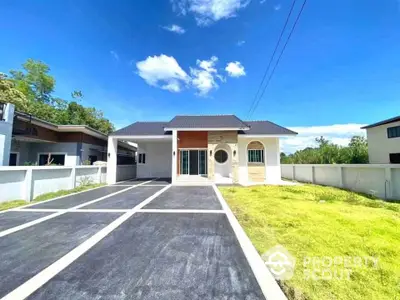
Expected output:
(240, 43)
(175, 28)
(203, 77)
(235, 69)
(207, 12)
(163, 71)
(277, 7)
(339, 134)
(115, 55)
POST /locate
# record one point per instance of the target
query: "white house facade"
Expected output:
(384, 141)
(221, 149)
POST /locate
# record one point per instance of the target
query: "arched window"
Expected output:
(255, 152)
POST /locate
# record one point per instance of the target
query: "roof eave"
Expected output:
(205, 129)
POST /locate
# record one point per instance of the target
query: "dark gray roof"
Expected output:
(217, 121)
(388, 121)
(221, 121)
(266, 127)
(143, 128)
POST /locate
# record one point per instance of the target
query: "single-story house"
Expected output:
(27, 140)
(218, 148)
(384, 141)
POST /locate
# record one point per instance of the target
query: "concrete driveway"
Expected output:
(134, 240)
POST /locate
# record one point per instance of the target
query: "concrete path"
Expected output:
(139, 239)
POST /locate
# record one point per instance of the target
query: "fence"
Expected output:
(26, 183)
(382, 180)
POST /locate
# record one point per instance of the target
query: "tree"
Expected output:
(35, 80)
(9, 94)
(329, 153)
(36, 84)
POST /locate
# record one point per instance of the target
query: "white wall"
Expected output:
(379, 145)
(272, 158)
(383, 180)
(26, 183)
(158, 159)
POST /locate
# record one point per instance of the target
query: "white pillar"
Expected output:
(174, 155)
(112, 149)
(388, 183)
(6, 126)
(28, 184)
(73, 177)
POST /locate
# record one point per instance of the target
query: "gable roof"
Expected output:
(227, 122)
(388, 121)
(143, 128)
(211, 121)
(266, 127)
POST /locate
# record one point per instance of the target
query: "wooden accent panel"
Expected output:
(255, 146)
(79, 137)
(38, 132)
(192, 139)
(256, 173)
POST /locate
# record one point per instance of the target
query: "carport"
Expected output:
(154, 150)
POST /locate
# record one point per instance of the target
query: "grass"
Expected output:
(316, 221)
(47, 196)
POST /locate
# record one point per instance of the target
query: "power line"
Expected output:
(279, 58)
(272, 57)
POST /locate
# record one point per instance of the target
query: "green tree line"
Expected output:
(327, 152)
(31, 90)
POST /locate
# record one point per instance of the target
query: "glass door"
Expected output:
(193, 162)
(184, 162)
(203, 162)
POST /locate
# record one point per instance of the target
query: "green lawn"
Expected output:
(316, 221)
(47, 196)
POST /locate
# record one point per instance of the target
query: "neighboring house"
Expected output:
(26, 140)
(221, 148)
(384, 141)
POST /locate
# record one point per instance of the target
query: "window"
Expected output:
(55, 159)
(393, 132)
(394, 158)
(142, 158)
(13, 159)
(92, 159)
(255, 156)
(221, 156)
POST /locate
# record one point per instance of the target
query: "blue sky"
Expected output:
(150, 60)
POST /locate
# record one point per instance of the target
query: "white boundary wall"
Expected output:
(26, 183)
(382, 180)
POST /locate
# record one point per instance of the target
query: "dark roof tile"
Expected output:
(216, 121)
(266, 127)
(143, 128)
(388, 121)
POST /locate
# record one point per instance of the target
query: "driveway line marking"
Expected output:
(37, 221)
(30, 286)
(102, 198)
(52, 199)
(182, 211)
(266, 281)
(100, 210)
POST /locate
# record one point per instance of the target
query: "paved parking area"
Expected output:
(137, 241)
(186, 197)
